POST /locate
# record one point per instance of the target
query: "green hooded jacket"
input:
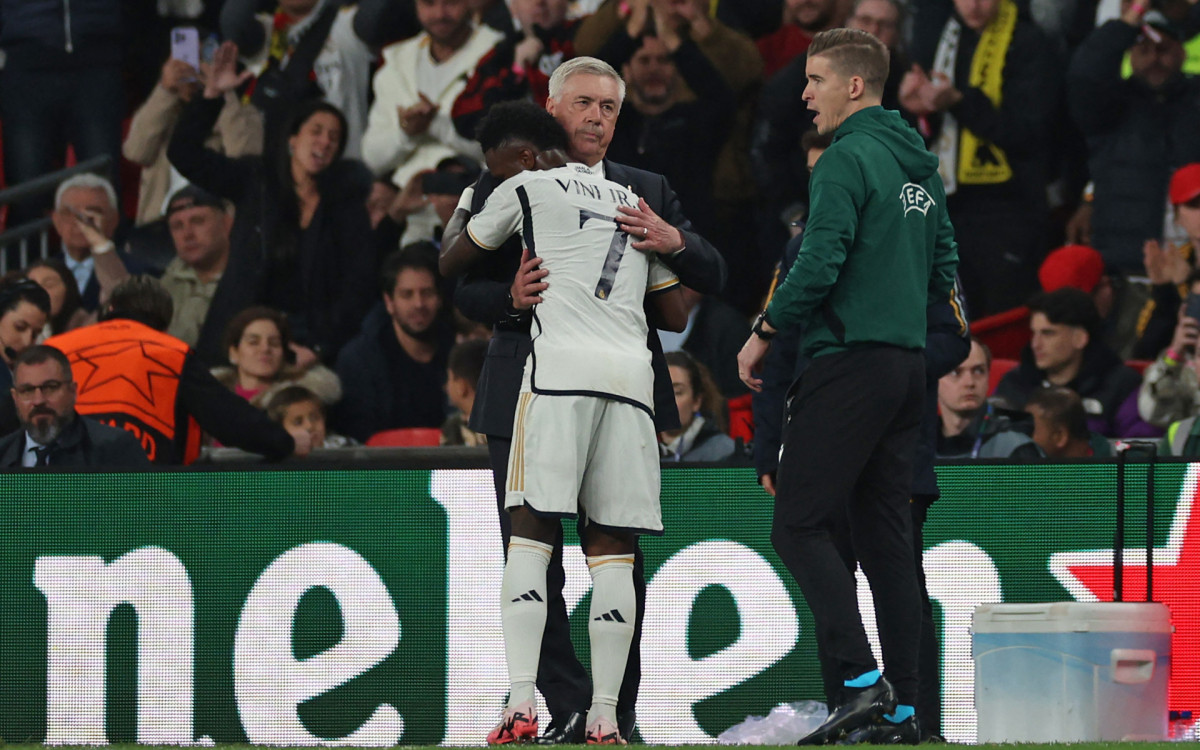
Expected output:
(878, 244)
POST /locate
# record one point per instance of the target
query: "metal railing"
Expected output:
(35, 235)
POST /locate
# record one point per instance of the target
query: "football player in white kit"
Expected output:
(583, 440)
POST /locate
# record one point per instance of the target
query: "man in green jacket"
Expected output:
(877, 246)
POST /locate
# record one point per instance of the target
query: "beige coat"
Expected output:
(239, 132)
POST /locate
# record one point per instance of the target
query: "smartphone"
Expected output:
(1192, 310)
(185, 45)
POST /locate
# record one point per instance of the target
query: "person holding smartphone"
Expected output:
(1171, 386)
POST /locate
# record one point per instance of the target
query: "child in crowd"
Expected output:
(300, 410)
(463, 366)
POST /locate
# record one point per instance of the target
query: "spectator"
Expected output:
(300, 410)
(85, 218)
(701, 433)
(259, 346)
(986, 84)
(1066, 351)
(307, 49)
(665, 128)
(519, 66)
(1169, 266)
(199, 223)
(52, 433)
(301, 237)
(421, 210)
(238, 132)
(409, 128)
(971, 427)
(1060, 425)
(394, 370)
(24, 308)
(1138, 129)
(801, 19)
(1116, 300)
(66, 311)
(61, 87)
(132, 375)
(714, 335)
(463, 367)
(1170, 387)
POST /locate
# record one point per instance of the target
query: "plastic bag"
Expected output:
(785, 725)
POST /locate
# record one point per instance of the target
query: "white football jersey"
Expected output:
(589, 332)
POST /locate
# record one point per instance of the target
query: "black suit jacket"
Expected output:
(85, 442)
(482, 295)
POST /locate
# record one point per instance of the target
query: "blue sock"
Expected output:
(902, 713)
(866, 679)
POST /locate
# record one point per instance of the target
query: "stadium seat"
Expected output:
(741, 418)
(406, 437)
(999, 367)
(1005, 333)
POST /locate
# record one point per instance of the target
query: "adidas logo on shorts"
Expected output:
(530, 596)
(611, 615)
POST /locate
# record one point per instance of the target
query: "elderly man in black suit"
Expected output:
(585, 97)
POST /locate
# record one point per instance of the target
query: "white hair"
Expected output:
(88, 182)
(589, 65)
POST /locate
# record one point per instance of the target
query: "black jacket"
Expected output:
(1103, 382)
(482, 295)
(325, 286)
(85, 442)
(1136, 138)
(369, 402)
(60, 34)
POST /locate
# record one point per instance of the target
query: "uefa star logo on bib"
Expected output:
(915, 198)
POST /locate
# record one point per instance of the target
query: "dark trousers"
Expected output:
(848, 451)
(44, 111)
(562, 680)
(929, 691)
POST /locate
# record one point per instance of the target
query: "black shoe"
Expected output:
(907, 732)
(865, 706)
(627, 725)
(565, 730)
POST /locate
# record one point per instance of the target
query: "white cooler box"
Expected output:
(1071, 671)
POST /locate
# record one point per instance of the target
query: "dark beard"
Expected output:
(428, 336)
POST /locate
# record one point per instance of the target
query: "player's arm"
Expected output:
(667, 310)
(483, 232)
(460, 255)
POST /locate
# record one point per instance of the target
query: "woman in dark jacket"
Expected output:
(301, 239)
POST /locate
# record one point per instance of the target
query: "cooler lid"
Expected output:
(1072, 617)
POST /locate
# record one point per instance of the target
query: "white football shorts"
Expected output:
(589, 455)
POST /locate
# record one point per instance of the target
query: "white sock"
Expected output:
(610, 627)
(523, 613)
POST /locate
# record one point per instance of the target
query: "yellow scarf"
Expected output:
(981, 162)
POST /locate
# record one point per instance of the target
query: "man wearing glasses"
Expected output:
(52, 433)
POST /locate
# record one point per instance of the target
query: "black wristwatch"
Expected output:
(757, 328)
(510, 309)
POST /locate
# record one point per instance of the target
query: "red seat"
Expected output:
(741, 418)
(999, 367)
(1005, 333)
(406, 437)
(1139, 364)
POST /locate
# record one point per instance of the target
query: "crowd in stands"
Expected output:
(299, 163)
